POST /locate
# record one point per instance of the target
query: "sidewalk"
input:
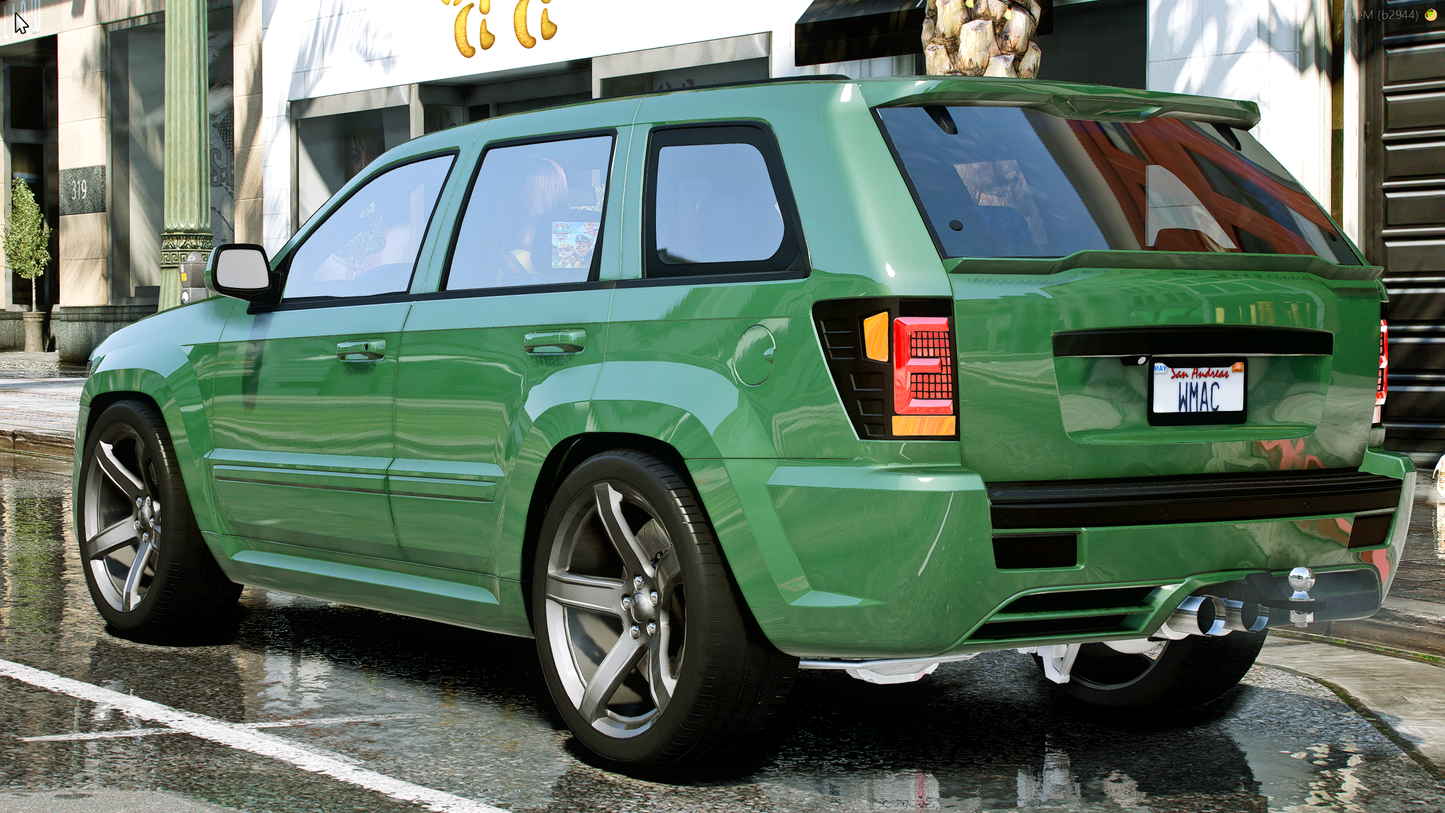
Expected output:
(39, 402)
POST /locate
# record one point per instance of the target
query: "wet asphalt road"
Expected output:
(466, 713)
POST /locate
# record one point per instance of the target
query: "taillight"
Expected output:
(1382, 382)
(893, 363)
(923, 382)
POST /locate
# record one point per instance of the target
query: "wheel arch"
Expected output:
(564, 457)
(174, 395)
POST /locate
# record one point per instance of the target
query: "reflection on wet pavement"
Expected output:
(466, 712)
(1421, 572)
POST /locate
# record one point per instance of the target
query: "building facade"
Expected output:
(303, 93)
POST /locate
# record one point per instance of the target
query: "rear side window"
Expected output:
(369, 245)
(718, 203)
(1012, 182)
(534, 216)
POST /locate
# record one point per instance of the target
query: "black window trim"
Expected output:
(790, 260)
(593, 273)
(284, 271)
(908, 179)
(515, 290)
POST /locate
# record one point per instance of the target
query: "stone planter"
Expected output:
(34, 332)
(12, 330)
(79, 329)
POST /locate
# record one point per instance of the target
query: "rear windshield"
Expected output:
(1012, 182)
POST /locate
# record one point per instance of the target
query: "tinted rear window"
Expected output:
(1012, 182)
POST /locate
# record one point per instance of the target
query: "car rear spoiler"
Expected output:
(1072, 101)
(1193, 261)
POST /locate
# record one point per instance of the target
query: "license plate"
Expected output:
(1196, 391)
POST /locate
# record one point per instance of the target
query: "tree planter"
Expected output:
(34, 331)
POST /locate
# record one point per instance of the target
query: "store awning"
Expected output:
(845, 30)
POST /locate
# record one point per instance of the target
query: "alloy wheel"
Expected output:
(121, 517)
(615, 610)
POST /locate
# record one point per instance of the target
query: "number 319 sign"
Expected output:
(82, 190)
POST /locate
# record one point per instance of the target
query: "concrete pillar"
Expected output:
(83, 135)
(1352, 160)
(7, 297)
(188, 192)
(1271, 52)
(250, 147)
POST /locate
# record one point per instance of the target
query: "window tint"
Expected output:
(369, 245)
(715, 204)
(1012, 182)
(534, 216)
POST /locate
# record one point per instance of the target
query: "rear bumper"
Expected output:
(856, 560)
(1190, 499)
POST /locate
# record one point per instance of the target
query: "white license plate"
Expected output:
(1209, 391)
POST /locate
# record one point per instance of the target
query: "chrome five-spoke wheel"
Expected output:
(616, 611)
(148, 569)
(121, 517)
(644, 643)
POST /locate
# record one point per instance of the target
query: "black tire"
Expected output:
(1189, 672)
(133, 506)
(702, 681)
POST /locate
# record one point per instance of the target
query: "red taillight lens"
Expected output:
(923, 383)
(922, 366)
(1382, 382)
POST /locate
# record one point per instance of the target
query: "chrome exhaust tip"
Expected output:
(1196, 615)
(1245, 616)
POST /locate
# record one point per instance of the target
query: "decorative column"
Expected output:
(188, 186)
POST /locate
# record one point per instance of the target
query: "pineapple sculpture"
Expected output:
(981, 38)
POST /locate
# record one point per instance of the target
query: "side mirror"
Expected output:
(242, 271)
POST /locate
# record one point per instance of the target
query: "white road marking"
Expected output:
(102, 735)
(151, 732)
(247, 739)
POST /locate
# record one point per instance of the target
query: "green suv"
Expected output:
(704, 387)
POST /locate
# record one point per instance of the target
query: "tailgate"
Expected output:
(1058, 372)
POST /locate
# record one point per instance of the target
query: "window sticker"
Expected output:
(572, 243)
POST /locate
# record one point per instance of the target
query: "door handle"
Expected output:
(370, 350)
(555, 342)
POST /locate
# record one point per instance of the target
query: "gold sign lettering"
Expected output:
(486, 38)
(519, 22)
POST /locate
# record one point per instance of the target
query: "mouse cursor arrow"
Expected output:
(20, 25)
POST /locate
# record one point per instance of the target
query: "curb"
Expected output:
(36, 441)
(1406, 624)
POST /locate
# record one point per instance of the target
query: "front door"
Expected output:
(305, 389)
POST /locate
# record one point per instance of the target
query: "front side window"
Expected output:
(534, 216)
(1014, 182)
(369, 245)
(718, 203)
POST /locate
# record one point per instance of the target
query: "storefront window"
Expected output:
(721, 73)
(29, 120)
(333, 149)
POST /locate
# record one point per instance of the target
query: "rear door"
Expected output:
(516, 328)
(304, 389)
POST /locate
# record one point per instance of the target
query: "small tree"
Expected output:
(27, 237)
